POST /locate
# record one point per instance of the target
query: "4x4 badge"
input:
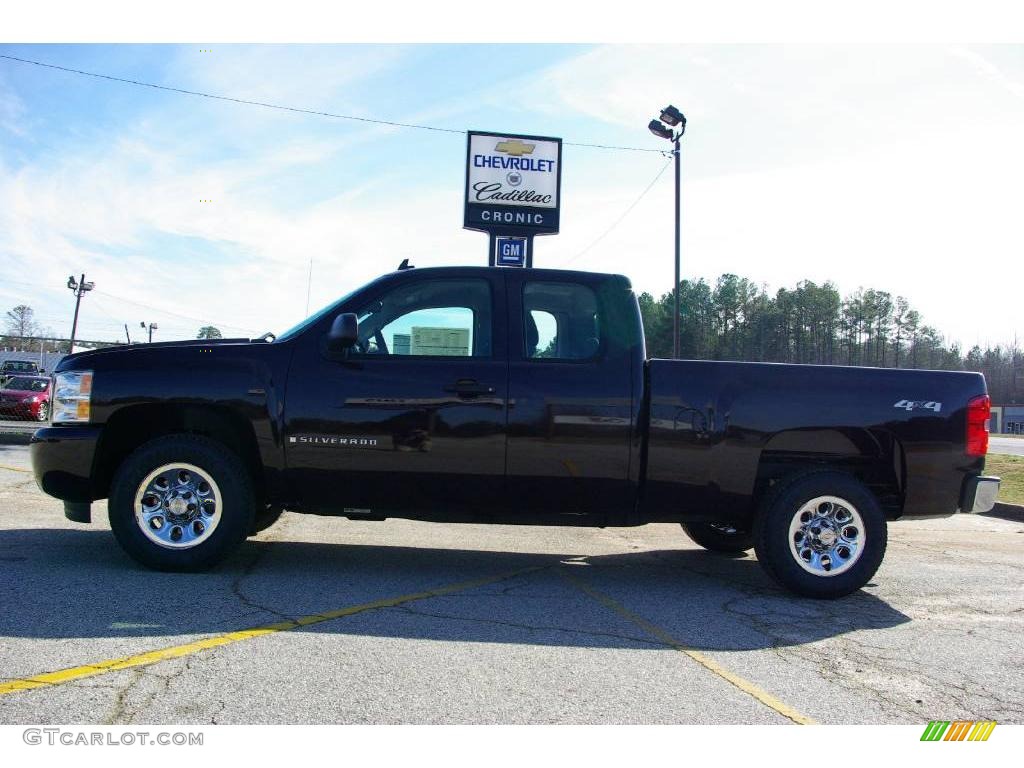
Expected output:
(913, 405)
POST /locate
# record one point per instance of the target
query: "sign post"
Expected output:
(513, 192)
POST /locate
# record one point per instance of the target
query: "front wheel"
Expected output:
(720, 537)
(181, 503)
(820, 534)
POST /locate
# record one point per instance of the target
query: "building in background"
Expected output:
(1010, 420)
(400, 344)
(995, 421)
(440, 341)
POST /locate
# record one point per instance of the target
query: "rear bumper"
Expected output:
(62, 461)
(979, 494)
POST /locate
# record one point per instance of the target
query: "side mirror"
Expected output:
(343, 334)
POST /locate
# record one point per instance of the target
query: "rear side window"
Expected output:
(561, 321)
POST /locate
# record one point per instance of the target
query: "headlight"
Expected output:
(72, 392)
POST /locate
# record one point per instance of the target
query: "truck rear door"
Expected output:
(571, 395)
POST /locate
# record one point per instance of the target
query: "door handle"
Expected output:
(470, 388)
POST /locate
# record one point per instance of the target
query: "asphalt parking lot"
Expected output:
(406, 622)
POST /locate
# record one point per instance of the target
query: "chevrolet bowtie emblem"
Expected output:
(515, 147)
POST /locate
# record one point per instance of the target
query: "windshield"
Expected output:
(25, 384)
(295, 330)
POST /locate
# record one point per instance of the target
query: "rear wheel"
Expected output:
(181, 503)
(821, 534)
(720, 537)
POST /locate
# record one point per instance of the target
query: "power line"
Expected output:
(285, 108)
(160, 310)
(624, 214)
(229, 98)
(174, 326)
(119, 322)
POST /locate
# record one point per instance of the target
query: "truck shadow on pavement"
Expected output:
(66, 583)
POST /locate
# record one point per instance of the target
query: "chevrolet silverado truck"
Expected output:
(511, 396)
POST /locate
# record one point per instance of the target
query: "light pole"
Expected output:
(79, 287)
(152, 327)
(662, 128)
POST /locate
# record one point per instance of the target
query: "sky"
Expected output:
(896, 167)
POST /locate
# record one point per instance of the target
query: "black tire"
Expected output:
(779, 556)
(237, 505)
(44, 412)
(719, 537)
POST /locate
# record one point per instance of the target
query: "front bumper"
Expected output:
(62, 460)
(19, 410)
(979, 494)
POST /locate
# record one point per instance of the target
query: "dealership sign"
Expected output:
(513, 183)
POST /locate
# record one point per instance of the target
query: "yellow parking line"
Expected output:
(707, 662)
(187, 649)
(14, 469)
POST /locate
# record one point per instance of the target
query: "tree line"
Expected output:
(738, 319)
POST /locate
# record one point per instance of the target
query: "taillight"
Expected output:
(979, 410)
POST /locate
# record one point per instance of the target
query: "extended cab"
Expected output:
(508, 396)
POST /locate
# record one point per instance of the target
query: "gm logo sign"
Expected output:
(510, 251)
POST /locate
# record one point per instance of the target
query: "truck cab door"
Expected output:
(413, 418)
(571, 399)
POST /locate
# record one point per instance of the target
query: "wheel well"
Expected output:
(131, 427)
(874, 457)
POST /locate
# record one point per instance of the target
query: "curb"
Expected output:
(1014, 512)
(15, 438)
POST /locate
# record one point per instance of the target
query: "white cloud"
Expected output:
(306, 76)
(896, 168)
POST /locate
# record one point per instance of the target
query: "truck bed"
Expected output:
(718, 430)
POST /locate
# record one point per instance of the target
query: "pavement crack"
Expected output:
(221, 706)
(120, 710)
(530, 627)
(248, 602)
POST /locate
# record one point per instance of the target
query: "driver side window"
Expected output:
(433, 318)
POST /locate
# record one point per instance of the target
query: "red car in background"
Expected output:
(26, 397)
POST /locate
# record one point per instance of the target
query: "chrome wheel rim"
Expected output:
(826, 536)
(178, 506)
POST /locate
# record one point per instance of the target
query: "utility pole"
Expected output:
(152, 327)
(675, 285)
(662, 128)
(79, 287)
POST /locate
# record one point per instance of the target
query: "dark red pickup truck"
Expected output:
(508, 396)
